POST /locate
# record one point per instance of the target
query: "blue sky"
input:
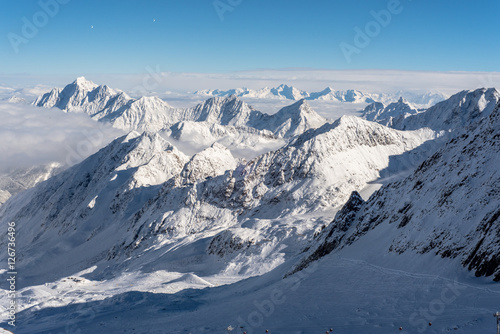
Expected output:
(189, 36)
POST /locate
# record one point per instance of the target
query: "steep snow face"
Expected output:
(4, 196)
(387, 115)
(86, 204)
(335, 158)
(293, 120)
(224, 111)
(231, 111)
(149, 114)
(84, 96)
(211, 162)
(449, 206)
(460, 110)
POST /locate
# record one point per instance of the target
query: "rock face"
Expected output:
(448, 206)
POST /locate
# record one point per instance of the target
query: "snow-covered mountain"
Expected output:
(84, 96)
(153, 114)
(105, 104)
(387, 115)
(149, 114)
(457, 112)
(235, 124)
(280, 92)
(425, 99)
(292, 120)
(144, 182)
(89, 202)
(16, 99)
(449, 207)
(292, 93)
(139, 226)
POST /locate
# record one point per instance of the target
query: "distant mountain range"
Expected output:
(425, 99)
(153, 114)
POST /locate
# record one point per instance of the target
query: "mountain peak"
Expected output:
(84, 83)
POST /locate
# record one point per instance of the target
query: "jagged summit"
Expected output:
(391, 114)
(293, 120)
(83, 83)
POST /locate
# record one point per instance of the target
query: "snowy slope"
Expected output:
(292, 120)
(144, 183)
(149, 114)
(223, 111)
(213, 161)
(448, 207)
(316, 171)
(86, 204)
(344, 294)
(387, 115)
(460, 110)
(286, 123)
(123, 241)
(84, 96)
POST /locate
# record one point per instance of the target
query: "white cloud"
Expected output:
(32, 136)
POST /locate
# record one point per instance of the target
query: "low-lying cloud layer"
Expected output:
(32, 136)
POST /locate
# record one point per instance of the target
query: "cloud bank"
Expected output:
(32, 136)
